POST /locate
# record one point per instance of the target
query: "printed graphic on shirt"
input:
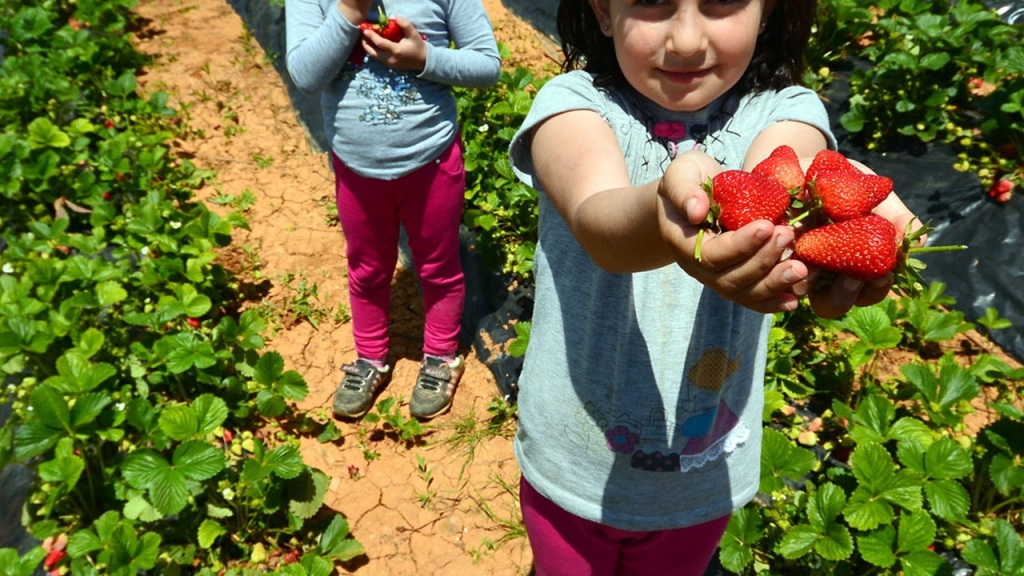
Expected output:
(387, 92)
(709, 429)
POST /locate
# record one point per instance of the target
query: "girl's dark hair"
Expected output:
(778, 56)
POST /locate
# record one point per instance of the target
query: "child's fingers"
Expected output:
(748, 266)
(844, 293)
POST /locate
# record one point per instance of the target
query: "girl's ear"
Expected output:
(600, 8)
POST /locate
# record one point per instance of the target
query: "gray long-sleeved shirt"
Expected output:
(385, 123)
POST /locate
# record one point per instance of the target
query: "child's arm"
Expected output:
(473, 62)
(319, 42)
(628, 228)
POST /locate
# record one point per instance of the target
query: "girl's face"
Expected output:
(682, 54)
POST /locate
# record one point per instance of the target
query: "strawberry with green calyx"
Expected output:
(738, 198)
(863, 248)
(386, 27)
(868, 248)
(848, 195)
(783, 166)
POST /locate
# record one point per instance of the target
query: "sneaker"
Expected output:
(354, 395)
(435, 386)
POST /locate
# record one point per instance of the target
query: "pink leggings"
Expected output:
(566, 545)
(428, 202)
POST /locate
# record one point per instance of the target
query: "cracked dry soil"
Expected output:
(444, 505)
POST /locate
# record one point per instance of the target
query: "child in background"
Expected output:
(395, 148)
(641, 395)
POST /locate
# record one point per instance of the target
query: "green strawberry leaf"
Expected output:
(737, 545)
(211, 412)
(876, 547)
(873, 420)
(284, 461)
(1007, 474)
(208, 532)
(948, 499)
(781, 459)
(65, 467)
(269, 368)
(307, 492)
(88, 408)
(198, 460)
(11, 564)
(798, 542)
(922, 563)
(916, 532)
(179, 422)
(335, 541)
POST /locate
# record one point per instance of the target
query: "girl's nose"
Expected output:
(686, 35)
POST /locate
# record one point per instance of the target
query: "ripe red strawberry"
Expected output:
(739, 198)
(783, 166)
(864, 248)
(53, 557)
(828, 161)
(847, 195)
(386, 27)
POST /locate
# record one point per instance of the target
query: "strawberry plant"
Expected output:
(500, 210)
(137, 390)
(887, 478)
(932, 71)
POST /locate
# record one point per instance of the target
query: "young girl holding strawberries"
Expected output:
(391, 119)
(641, 394)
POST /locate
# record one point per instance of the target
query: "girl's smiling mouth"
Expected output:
(685, 76)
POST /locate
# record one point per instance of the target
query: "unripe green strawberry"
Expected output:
(847, 195)
(864, 248)
(783, 166)
(739, 198)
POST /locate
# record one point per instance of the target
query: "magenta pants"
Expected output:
(428, 203)
(564, 544)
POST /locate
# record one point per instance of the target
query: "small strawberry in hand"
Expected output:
(739, 198)
(783, 166)
(848, 195)
(386, 27)
(863, 248)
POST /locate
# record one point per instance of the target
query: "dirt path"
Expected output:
(419, 509)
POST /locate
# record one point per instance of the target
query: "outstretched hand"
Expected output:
(749, 266)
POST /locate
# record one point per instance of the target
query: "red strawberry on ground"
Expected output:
(783, 166)
(864, 248)
(848, 195)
